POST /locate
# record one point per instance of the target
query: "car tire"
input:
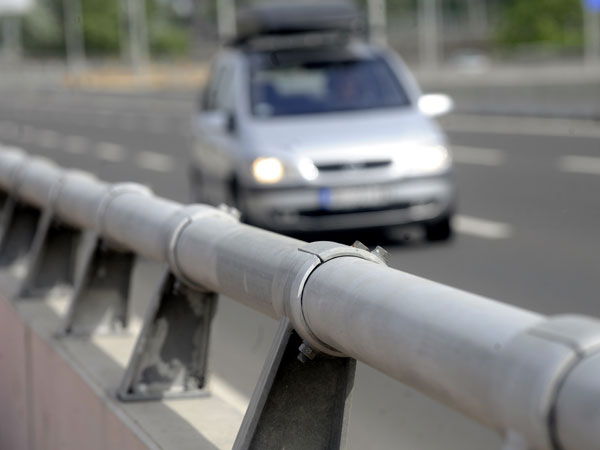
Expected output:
(439, 230)
(233, 192)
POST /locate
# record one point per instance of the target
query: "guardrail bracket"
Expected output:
(51, 262)
(100, 300)
(170, 356)
(18, 225)
(298, 405)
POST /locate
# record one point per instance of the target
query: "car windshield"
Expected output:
(322, 87)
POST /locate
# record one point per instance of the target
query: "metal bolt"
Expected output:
(230, 210)
(382, 254)
(307, 353)
(360, 245)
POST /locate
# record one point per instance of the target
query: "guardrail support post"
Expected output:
(100, 299)
(51, 262)
(170, 356)
(18, 225)
(3, 200)
(298, 405)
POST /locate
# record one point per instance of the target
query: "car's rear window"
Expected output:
(320, 87)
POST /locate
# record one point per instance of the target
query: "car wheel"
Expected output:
(439, 229)
(233, 192)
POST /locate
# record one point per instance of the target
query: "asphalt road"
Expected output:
(529, 216)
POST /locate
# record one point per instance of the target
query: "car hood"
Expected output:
(342, 135)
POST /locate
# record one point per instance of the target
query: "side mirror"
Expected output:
(434, 105)
(223, 122)
(215, 120)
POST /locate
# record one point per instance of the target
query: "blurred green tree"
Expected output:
(101, 26)
(43, 28)
(553, 22)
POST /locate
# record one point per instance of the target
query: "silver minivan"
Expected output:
(318, 130)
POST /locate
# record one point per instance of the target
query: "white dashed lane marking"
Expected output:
(76, 145)
(580, 164)
(48, 139)
(527, 126)
(9, 130)
(478, 156)
(28, 134)
(487, 229)
(156, 162)
(108, 151)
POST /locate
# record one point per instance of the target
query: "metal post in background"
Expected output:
(74, 38)
(226, 19)
(477, 16)
(377, 21)
(11, 38)
(138, 33)
(428, 33)
(591, 20)
(122, 8)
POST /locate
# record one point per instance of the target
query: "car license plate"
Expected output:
(355, 197)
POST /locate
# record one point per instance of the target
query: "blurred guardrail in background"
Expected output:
(551, 91)
(530, 377)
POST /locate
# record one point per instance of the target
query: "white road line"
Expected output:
(533, 126)
(76, 145)
(479, 156)
(482, 228)
(580, 164)
(47, 139)
(28, 134)
(9, 130)
(107, 151)
(155, 161)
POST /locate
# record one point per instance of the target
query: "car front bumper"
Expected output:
(314, 208)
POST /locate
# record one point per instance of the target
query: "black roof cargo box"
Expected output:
(297, 18)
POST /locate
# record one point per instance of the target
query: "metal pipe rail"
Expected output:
(530, 377)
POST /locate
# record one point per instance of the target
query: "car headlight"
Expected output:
(267, 170)
(427, 159)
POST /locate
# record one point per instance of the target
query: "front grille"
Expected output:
(338, 212)
(359, 165)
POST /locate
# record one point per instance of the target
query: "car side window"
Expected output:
(224, 90)
(209, 96)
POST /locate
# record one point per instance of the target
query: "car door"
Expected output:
(215, 138)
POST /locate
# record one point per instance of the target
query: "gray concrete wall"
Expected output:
(45, 403)
(58, 394)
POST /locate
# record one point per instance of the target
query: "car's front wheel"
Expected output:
(439, 230)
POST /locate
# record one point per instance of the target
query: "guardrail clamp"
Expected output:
(299, 402)
(100, 300)
(170, 355)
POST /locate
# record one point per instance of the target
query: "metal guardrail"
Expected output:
(530, 377)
